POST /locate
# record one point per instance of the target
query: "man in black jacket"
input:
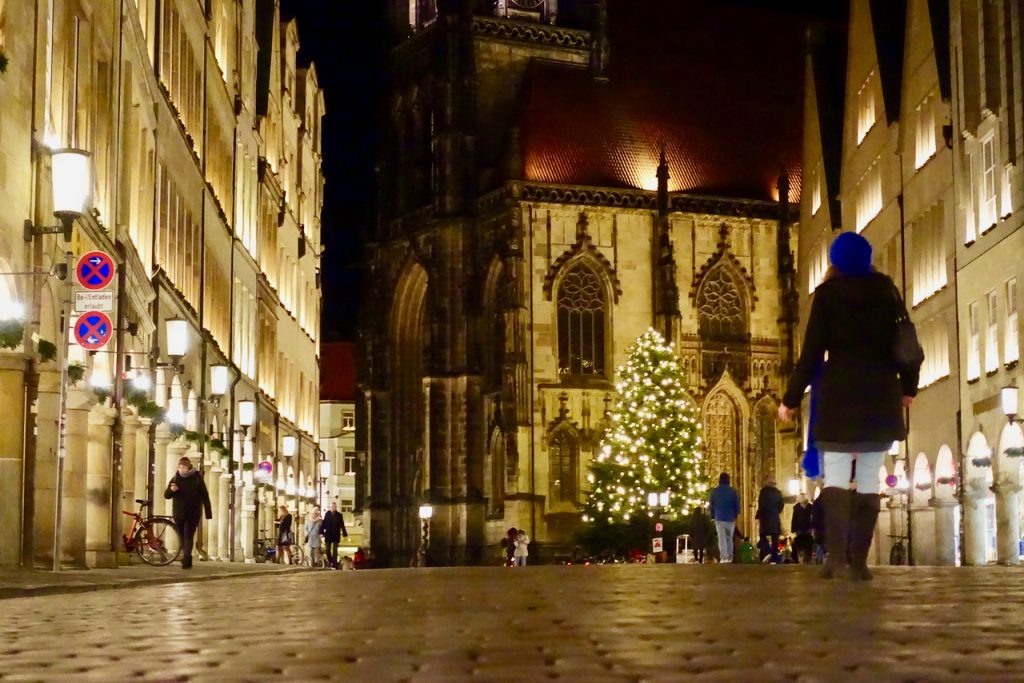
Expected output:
(190, 496)
(801, 528)
(769, 511)
(333, 530)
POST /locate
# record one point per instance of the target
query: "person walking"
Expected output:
(285, 537)
(334, 530)
(522, 548)
(725, 508)
(190, 499)
(861, 395)
(800, 527)
(314, 530)
(769, 517)
(700, 534)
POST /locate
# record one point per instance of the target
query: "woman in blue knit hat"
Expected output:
(860, 395)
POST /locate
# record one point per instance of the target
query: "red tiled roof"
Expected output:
(719, 90)
(338, 371)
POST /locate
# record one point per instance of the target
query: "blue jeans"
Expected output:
(838, 467)
(725, 532)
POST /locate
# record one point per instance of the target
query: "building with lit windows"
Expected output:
(909, 134)
(345, 483)
(203, 142)
(552, 187)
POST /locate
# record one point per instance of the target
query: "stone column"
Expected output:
(12, 462)
(98, 489)
(923, 533)
(248, 493)
(223, 494)
(161, 476)
(73, 509)
(945, 532)
(212, 478)
(1007, 522)
(974, 522)
(47, 428)
(129, 452)
(141, 472)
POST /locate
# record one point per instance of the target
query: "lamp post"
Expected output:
(325, 473)
(288, 446)
(71, 174)
(657, 502)
(1008, 398)
(426, 512)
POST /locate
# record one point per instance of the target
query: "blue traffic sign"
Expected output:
(93, 330)
(95, 270)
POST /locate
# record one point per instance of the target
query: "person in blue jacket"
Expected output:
(725, 507)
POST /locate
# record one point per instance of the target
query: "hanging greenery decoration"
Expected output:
(47, 351)
(982, 462)
(1015, 452)
(76, 373)
(11, 333)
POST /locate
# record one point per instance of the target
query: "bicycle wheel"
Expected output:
(898, 555)
(260, 553)
(298, 556)
(157, 541)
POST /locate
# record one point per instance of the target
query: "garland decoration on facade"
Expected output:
(11, 333)
(47, 351)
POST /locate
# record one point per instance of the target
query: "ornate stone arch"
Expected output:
(724, 257)
(763, 440)
(492, 324)
(725, 415)
(494, 472)
(583, 249)
(721, 303)
(582, 320)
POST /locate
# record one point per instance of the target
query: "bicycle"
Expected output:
(898, 552)
(155, 539)
(264, 550)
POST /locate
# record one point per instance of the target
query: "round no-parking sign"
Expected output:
(95, 270)
(93, 330)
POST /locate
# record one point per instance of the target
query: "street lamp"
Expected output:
(794, 487)
(288, 446)
(325, 472)
(218, 380)
(177, 338)
(657, 502)
(1008, 397)
(246, 415)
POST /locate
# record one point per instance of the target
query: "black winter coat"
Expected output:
(700, 531)
(801, 523)
(191, 498)
(853, 319)
(334, 526)
(769, 509)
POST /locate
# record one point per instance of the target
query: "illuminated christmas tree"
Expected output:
(653, 443)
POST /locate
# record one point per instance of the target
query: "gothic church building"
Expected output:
(556, 178)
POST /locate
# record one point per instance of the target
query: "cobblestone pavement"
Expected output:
(579, 623)
(19, 583)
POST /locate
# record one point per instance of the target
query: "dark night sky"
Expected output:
(347, 41)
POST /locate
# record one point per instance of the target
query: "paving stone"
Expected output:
(599, 623)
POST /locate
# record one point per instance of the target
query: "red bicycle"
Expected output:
(154, 539)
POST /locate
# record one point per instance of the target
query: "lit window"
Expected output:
(935, 341)
(348, 421)
(925, 132)
(869, 197)
(987, 213)
(1011, 344)
(350, 463)
(992, 334)
(817, 267)
(1006, 200)
(865, 109)
(973, 342)
(928, 255)
(581, 323)
(346, 505)
(970, 224)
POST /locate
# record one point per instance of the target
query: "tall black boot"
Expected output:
(836, 503)
(863, 516)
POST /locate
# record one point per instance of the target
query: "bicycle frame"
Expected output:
(129, 538)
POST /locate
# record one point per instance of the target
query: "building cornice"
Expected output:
(530, 32)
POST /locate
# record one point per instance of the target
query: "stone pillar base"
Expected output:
(101, 559)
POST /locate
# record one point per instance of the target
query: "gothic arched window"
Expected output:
(581, 323)
(720, 307)
(564, 450)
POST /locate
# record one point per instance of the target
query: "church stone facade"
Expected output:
(536, 218)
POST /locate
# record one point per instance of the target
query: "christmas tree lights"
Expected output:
(653, 443)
